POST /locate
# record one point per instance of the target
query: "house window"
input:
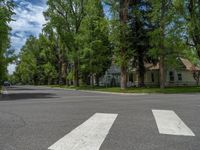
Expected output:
(171, 76)
(152, 77)
(179, 77)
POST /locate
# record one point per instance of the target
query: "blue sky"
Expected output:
(28, 21)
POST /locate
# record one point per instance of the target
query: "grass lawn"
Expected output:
(170, 90)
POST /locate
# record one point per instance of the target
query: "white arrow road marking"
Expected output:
(169, 123)
(89, 135)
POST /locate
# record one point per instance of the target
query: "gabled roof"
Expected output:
(150, 66)
(187, 64)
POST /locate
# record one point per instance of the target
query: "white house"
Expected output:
(183, 75)
(111, 77)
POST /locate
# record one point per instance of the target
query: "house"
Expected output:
(182, 74)
(111, 77)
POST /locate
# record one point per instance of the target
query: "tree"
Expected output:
(196, 75)
(39, 61)
(47, 60)
(66, 18)
(190, 11)
(6, 12)
(120, 34)
(160, 11)
(55, 46)
(69, 39)
(96, 52)
(27, 66)
(166, 39)
(140, 26)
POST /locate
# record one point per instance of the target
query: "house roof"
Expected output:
(150, 66)
(188, 65)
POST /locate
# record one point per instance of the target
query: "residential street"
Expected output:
(36, 118)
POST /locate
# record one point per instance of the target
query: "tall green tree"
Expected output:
(66, 17)
(191, 12)
(55, 43)
(96, 53)
(38, 61)
(47, 61)
(6, 12)
(26, 69)
(166, 39)
(120, 36)
(140, 26)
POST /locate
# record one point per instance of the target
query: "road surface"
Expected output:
(41, 118)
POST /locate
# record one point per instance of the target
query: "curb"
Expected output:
(57, 88)
(115, 93)
(101, 92)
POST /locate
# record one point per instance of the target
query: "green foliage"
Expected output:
(96, 52)
(74, 39)
(80, 42)
(37, 62)
(65, 18)
(192, 17)
(180, 26)
(27, 66)
(6, 12)
(119, 41)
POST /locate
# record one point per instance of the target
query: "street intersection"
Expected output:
(41, 118)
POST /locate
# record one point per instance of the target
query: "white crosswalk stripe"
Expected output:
(89, 135)
(169, 123)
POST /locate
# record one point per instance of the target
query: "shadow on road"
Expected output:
(23, 96)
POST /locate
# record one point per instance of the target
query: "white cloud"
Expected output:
(29, 20)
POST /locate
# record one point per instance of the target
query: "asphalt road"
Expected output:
(34, 118)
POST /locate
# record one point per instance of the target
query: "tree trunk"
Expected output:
(198, 78)
(67, 72)
(162, 47)
(92, 80)
(162, 72)
(97, 80)
(76, 74)
(123, 15)
(64, 68)
(60, 73)
(1, 65)
(60, 67)
(123, 77)
(198, 50)
(49, 81)
(196, 75)
(141, 69)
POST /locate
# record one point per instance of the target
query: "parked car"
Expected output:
(6, 83)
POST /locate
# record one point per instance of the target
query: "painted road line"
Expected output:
(169, 123)
(89, 135)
